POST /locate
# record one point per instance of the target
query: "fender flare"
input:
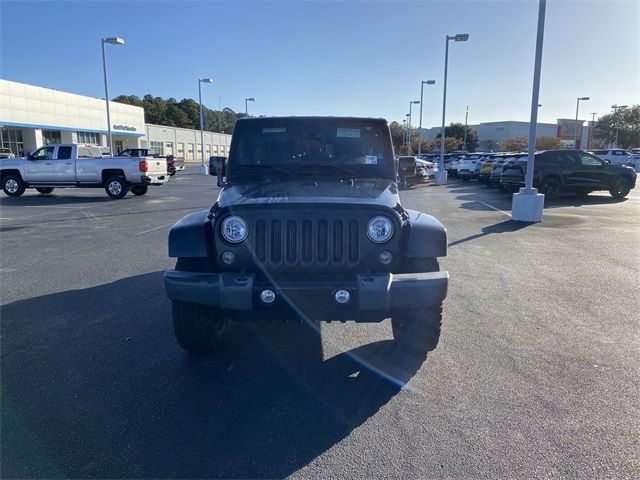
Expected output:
(427, 237)
(189, 237)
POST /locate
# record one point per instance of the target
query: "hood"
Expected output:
(301, 191)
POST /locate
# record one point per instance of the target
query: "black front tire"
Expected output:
(139, 189)
(550, 186)
(116, 187)
(13, 185)
(620, 188)
(196, 328)
(44, 190)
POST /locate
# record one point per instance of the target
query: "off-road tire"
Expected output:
(139, 189)
(620, 187)
(44, 190)
(196, 328)
(116, 187)
(418, 329)
(13, 185)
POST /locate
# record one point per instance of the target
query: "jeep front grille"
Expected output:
(307, 241)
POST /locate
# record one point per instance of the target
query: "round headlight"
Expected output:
(234, 229)
(379, 229)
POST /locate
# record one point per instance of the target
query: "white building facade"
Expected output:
(31, 117)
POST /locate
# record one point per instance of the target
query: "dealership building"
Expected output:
(31, 117)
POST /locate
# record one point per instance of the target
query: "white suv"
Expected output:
(619, 156)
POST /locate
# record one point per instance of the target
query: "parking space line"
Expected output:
(493, 208)
(154, 229)
(53, 206)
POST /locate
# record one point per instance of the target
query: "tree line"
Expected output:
(183, 114)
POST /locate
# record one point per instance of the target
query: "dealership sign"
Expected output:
(125, 128)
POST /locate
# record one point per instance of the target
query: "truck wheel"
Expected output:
(116, 187)
(620, 188)
(139, 189)
(13, 185)
(196, 328)
(418, 329)
(44, 190)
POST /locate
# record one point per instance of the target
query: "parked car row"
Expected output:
(414, 170)
(558, 171)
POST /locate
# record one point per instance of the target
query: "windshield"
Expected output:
(310, 146)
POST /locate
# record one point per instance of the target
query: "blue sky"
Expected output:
(334, 58)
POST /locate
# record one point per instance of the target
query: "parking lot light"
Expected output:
(528, 204)
(441, 174)
(203, 167)
(246, 100)
(109, 41)
(616, 114)
(411, 103)
(578, 127)
(422, 84)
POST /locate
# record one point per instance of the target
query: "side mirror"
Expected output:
(217, 167)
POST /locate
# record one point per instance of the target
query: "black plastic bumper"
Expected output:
(373, 297)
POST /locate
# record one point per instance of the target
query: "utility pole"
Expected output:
(466, 118)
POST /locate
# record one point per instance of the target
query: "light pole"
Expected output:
(411, 103)
(528, 204)
(578, 127)
(466, 118)
(616, 114)
(246, 100)
(407, 134)
(422, 84)
(404, 132)
(593, 122)
(110, 41)
(203, 167)
(441, 174)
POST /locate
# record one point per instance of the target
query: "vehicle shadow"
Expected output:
(573, 200)
(503, 227)
(94, 386)
(52, 199)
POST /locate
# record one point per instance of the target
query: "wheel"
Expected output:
(196, 328)
(13, 185)
(116, 187)
(44, 190)
(139, 189)
(550, 186)
(418, 329)
(620, 188)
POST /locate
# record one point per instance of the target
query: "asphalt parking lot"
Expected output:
(536, 374)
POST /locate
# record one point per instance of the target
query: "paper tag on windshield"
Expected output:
(274, 130)
(348, 133)
(371, 159)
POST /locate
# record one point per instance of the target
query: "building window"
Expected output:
(157, 148)
(169, 148)
(51, 136)
(208, 150)
(215, 150)
(190, 151)
(11, 138)
(92, 138)
(180, 149)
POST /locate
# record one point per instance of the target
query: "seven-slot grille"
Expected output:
(306, 241)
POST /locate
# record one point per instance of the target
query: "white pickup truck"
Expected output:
(73, 165)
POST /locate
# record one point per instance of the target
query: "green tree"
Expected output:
(397, 135)
(456, 130)
(451, 144)
(427, 144)
(548, 143)
(603, 132)
(489, 145)
(515, 144)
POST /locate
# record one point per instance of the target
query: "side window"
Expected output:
(566, 159)
(64, 153)
(590, 160)
(45, 153)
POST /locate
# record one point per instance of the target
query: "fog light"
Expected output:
(342, 296)
(267, 296)
(228, 257)
(385, 258)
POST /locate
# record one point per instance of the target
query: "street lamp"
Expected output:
(466, 118)
(203, 167)
(616, 114)
(593, 122)
(578, 127)
(246, 100)
(406, 136)
(411, 103)
(404, 132)
(422, 84)
(441, 174)
(110, 41)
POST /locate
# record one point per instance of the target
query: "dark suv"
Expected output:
(571, 170)
(308, 226)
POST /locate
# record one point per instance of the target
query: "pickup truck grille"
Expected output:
(307, 241)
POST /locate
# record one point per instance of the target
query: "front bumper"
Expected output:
(373, 297)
